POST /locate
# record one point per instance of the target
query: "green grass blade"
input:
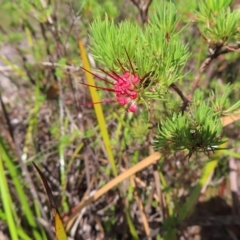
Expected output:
(232, 154)
(7, 200)
(131, 225)
(22, 235)
(168, 197)
(19, 189)
(98, 109)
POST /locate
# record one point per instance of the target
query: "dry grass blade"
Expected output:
(114, 182)
(97, 107)
(226, 120)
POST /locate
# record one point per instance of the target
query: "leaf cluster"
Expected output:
(196, 130)
(220, 100)
(217, 22)
(154, 50)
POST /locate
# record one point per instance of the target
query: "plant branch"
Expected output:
(201, 70)
(213, 55)
(143, 8)
(179, 92)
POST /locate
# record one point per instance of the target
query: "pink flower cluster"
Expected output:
(124, 89)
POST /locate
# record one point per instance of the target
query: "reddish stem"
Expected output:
(102, 88)
(95, 75)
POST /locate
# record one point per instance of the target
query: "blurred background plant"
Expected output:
(187, 61)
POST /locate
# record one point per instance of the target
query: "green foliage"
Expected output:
(157, 55)
(217, 22)
(190, 131)
(100, 8)
(220, 100)
(167, 19)
(213, 7)
(163, 59)
(9, 214)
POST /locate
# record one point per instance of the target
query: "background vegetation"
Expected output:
(116, 175)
